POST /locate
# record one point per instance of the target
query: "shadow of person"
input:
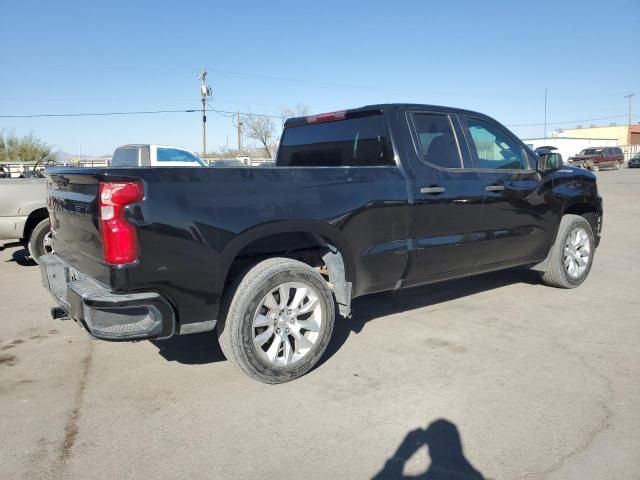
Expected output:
(445, 449)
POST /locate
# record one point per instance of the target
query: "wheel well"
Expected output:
(310, 248)
(34, 219)
(588, 211)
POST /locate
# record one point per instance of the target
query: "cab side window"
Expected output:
(175, 155)
(493, 148)
(437, 142)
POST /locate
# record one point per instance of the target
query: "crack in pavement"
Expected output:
(591, 436)
(71, 427)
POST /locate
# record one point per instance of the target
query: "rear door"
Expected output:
(517, 222)
(447, 215)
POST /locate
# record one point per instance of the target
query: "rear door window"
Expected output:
(353, 142)
(437, 142)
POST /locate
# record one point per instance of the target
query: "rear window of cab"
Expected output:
(353, 142)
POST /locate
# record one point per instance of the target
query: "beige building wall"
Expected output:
(619, 132)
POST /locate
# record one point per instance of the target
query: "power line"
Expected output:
(140, 112)
(565, 122)
(219, 112)
(249, 114)
(230, 114)
(98, 114)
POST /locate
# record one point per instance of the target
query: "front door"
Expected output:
(518, 222)
(447, 215)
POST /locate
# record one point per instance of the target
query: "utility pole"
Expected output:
(239, 126)
(545, 113)
(205, 92)
(628, 97)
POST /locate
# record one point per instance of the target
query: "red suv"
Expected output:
(596, 158)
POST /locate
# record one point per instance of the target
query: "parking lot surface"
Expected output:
(496, 376)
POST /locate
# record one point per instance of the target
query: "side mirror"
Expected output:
(549, 161)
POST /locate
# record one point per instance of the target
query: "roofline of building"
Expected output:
(623, 125)
(568, 138)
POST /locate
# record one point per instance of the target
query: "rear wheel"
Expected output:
(278, 321)
(571, 256)
(40, 241)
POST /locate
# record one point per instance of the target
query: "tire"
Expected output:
(257, 312)
(595, 168)
(617, 166)
(558, 273)
(39, 242)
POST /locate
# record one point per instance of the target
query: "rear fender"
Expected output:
(327, 233)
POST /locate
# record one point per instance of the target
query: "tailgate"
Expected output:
(73, 207)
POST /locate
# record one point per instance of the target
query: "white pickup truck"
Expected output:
(23, 214)
(149, 155)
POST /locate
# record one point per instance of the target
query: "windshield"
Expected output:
(591, 151)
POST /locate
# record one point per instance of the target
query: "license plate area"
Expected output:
(59, 275)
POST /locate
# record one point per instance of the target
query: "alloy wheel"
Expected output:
(287, 323)
(577, 251)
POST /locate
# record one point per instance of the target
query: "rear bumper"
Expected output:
(105, 314)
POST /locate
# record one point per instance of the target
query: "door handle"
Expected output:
(434, 189)
(494, 188)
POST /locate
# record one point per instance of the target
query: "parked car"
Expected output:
(229, 163)
(24, 216)
(146, 155)
(600, 157)
(634, 162)
(360, 201)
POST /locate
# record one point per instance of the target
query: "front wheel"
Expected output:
(278, 322)
(40, 241)
(595, 168)
(571, 256)
(617, 166)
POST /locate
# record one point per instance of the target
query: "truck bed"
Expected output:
(193, 222)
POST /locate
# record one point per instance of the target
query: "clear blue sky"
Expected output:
(495, 57)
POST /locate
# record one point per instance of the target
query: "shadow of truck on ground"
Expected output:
(203, 348)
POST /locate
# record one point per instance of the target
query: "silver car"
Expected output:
(23, 214)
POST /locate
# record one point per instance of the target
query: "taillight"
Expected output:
(119, 238)
(327, 117)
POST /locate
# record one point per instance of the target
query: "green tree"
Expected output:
(27, 148)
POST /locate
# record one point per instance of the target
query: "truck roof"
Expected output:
(296, 121)
(131, 145)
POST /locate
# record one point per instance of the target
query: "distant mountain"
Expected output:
(65, 156)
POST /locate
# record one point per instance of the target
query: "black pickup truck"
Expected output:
(360, 201)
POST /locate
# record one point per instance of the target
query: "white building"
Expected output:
(568, 147)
